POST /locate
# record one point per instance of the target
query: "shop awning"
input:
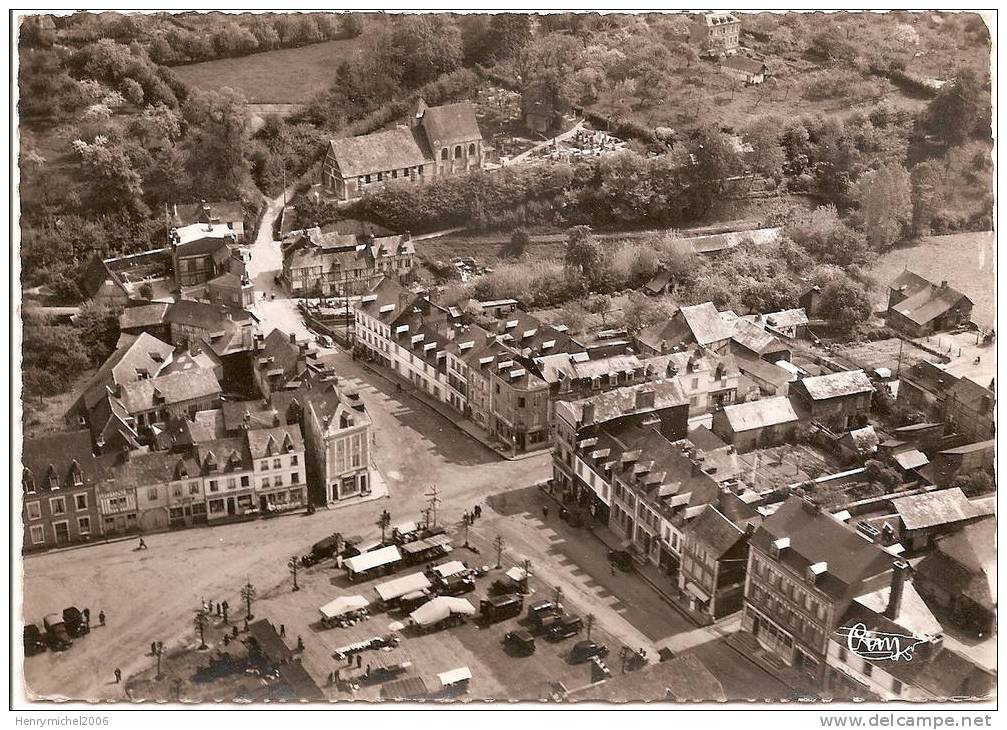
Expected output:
(696, 592)
(446, 570)
(401, 586)
(418, 546)
(343, 605)
(454, 676)
(516, 574)
(373, 559)
(440, 608)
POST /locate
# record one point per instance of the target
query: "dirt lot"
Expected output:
(770, 468)
(883, 354)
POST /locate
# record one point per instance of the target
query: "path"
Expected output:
(518, 159)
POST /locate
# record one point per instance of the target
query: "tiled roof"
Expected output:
(59, 451)
(837, 385)
(942, 507)
(395, 149)
(704, 439)
(147, 315)
(156, 467)
(211, 317)
(174, 388)
(786, 318)
(624, 401)
(964, 563)
(924, 300)
(911, 459)
(754, 337)
(230, 455)
(971, 393)
(451, 123)
(222, 211)
(201, 246)
(760, 414)
(144, 357)
(270, 441)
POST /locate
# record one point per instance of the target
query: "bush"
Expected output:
(535, 285)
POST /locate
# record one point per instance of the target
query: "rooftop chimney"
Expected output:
(644, 398)
(944, 284)
(587, 414)
(900, 569)
(293, 338)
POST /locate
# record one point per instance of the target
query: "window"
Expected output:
(193, 487)
(264, 483)
(213, 485)
(472, 150)
(520, 402)
(37, 534)
(395, 174)
(293, 460)
(444, 153)
(277, 463)
(458, 152)
(34, 510)
(216, 506)
(80, 501)
(84, 525)
(264, 464)
(278, 481)
(176, 491)
(57, 506)
(367, 178)
(295, 478)
(152, 493)
(244, 481)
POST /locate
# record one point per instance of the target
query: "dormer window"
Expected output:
(78, 476)
(28, 481)
(779, 546)
(52, 478)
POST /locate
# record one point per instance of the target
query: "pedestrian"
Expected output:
(101, 618)
(224, 606)
(300, 644)
(227, 639)
(360, 660)
(218, 609)
(234, 631)
(87, 616)
(611, 567)
(545, 511)
(283, 630)
(143, 545)
(479, 510)
(118, 675)
(246, 624)
(153, 648)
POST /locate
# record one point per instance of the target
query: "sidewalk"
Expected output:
(451, 415)
(748, 647)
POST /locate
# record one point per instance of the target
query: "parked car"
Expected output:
(622, 559)
(456, 585)
(55, 632)
(565, 627)
(499, 608)
(75, 623)
(584, 650)
(520, 641)
(324, 341)
(34, 642)
(411, 601)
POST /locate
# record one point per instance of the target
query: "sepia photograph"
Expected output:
(492, 360)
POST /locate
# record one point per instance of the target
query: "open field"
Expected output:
(287, 76)
(966, 260)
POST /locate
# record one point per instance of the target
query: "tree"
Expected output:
(713, 161)
(765, 135)
(519, 240)
(582, 254)
(509, 33)
(200, 621)
(216, 142)
(974, 485)
(641, 311)
(97, 329)
(885, 204)
(353, 24)
(847, 303)
(600, 305)
(114, 185)
(883, 475)
(248, 595)
(927, 180)
(574, 316)
(961, 109)
(424, 47)
(828, 239)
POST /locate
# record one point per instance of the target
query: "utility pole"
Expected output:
(293, 571)
(158, 651)
(498, 543)
(588, 623)
(200, 621)
(466, 520)
(557, 595)
(433, 502)
(898, 369)
(248, 594)
(384, 522)
(526, 565)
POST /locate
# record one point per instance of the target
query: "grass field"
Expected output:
(288, 76)
(966, 260)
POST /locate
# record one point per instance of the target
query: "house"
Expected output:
(103, 286)
(756, 424)
(709, 381)
(280, 467)
(959, 576)
(116, 499)
(226, 216)
(811, 301)
(196, 356)
(715, 34)
(231, 290)
(771, 378)
(854, 671)
(917, 307)
(578, 460)
(714, 558)
(751, 338)
(228, 471)
(842, 400)
(791, 324)
(58, 479)
(745, 68)
(227, 330)
(961, 461)
(156, 400)
(858, 445)
(439, 141)
(969, 409)
(924, 517)
(162, 482)
(332, 264)
(805, 569)
(696, 325)
(199, 260)
(146, 318)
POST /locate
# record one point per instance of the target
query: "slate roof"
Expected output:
(865, 440)
(154, 467)
(223, 211)
(760, 414)
(211, 317)
(911, 459)
(965, 563)
(971, 448)
(815, 536)
(204, 246)
(175, 388)
(394, 149)
(714, 531)
(96, 274)
(942, 507)
(59, 451)
(924, 300)
(270, 441)
(622, 401)
(970, 393)
(223, 450)
(147, 315)
(786, 318)
(706, 324)
(837, 385)
(144, 356)
(704, 439)
(451, 123)
(755, 338)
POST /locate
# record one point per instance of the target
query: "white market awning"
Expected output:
(453, 676)
(446, 570)
(374, 559)
(343, 605)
